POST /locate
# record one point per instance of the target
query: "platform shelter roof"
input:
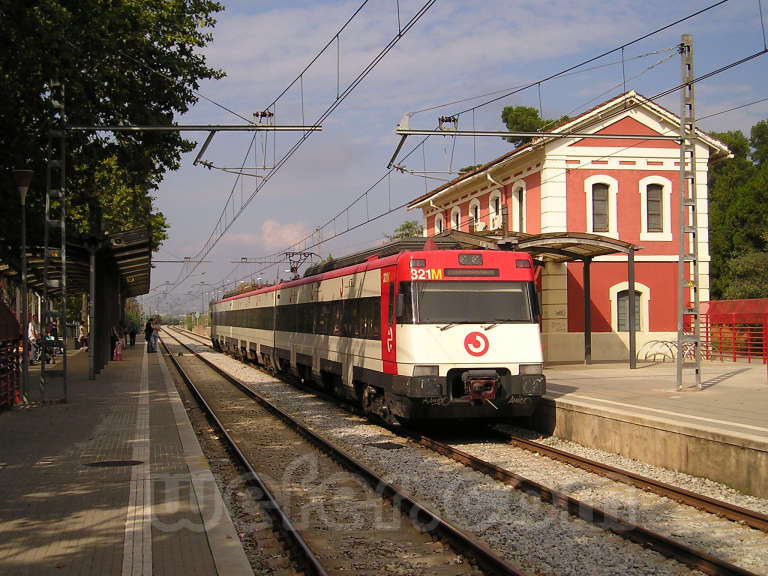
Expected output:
(546, 247)
(130, 250)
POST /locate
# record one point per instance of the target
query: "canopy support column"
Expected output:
(631, 304)
(587, 312)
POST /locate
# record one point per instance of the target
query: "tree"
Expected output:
(408, 229)
(738, 212)
(746, 276)
(525, 119)
(129, 62)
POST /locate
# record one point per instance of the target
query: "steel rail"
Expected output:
(727, 510)
(691, 557)
(666, 546)
(386, 489)
(273, 506)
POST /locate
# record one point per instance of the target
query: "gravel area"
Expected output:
(693, 483)
(730, 541)
(542, 539)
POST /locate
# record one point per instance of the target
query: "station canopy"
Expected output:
(131, 252)
(546, 247)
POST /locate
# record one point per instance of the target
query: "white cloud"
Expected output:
(458, 49)
(273, 235)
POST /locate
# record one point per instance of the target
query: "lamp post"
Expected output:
(23, 179)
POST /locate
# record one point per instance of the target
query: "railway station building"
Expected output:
(621, 190)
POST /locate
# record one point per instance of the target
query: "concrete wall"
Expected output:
(737, 460)
(608, 346)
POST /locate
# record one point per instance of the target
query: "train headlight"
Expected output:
(530, 369)
(419, 370)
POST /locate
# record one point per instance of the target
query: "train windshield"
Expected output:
(467, 302)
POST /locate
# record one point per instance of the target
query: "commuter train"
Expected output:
(415, 335)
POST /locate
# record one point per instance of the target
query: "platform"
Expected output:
(719, 432)
(111, 482)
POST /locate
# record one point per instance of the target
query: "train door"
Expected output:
(388, 326)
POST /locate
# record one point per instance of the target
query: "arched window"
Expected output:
(600, 207)
(601, 192)
(622, 311)
(518, 206)
(439, 225)
(494, 210)
(456, 218)
(653, 206)
(655, 209)
(475, 223)
(619, 295)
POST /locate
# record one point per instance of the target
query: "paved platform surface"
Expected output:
(733, 398)
(71, 500)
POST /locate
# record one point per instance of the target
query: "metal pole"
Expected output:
(631, 312)
(24, 343)
(92, 314)
(587, 313)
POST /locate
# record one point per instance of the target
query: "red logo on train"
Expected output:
(476, 343)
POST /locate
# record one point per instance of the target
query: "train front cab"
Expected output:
(460, 338)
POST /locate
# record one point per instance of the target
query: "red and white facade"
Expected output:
(627, 189)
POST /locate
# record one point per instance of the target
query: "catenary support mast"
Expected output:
(688, 328)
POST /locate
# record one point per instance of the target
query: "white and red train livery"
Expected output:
(416, 335)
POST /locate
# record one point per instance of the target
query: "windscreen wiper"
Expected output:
(447, 326)
(495, 323)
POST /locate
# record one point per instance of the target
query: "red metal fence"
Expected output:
(735, 330)
(9, 372)
(10, 356)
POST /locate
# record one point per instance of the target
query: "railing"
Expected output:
(10, 354)
(728, 337)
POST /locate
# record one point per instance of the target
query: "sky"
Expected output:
(459, 54)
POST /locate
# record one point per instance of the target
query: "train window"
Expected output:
(374, 321)
(391, 306)
(473, 302)
(405, 316)
(337, 328)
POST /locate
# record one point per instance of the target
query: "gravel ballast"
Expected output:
(519, 527)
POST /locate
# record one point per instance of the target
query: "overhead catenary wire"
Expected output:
(223, 224)
(387, 175)
(732, 109)
(528, 84)
(554, 177)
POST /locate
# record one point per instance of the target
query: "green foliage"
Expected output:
(738, 213)
(759, 141)
(470, 168)
(129, 62)
(133, 312)
(408, 229)
(747, 276)
(525, 119)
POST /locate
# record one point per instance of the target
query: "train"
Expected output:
(411, 334)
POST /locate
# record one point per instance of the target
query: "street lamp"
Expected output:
(23, 179)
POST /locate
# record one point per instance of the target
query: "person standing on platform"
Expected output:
(132, 333)
(155, 333)
(83, 337)
(148, 334)
(33, 335)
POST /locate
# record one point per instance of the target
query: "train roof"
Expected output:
(389, 249)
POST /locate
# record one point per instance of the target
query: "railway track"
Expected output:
(727, 510)
(336, 495)
(669, 547)
(720, 508)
